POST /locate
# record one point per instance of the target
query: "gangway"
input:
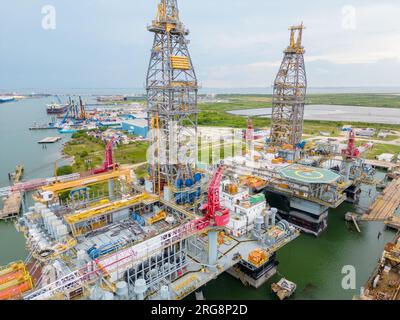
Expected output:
(34, 184)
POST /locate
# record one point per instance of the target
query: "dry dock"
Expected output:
(12, 206)
(386, 205)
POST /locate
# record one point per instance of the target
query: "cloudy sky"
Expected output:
(234, 43)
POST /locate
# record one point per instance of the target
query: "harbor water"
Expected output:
(19, 145)
(314, 264)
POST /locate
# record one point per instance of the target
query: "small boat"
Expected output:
(55, 108)
(68, 129)
(284, 288)
(4, 99)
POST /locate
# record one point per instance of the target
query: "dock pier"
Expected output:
(12, 206)
(385, 206)
(49, 140)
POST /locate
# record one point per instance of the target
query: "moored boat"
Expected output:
(55, 108)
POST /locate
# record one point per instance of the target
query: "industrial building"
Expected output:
(138, 127)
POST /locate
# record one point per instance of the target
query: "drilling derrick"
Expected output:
(289, 94)
(172, 105)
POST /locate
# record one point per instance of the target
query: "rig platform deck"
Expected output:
(386, 205)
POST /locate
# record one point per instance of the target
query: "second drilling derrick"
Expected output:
(289, 94)
(172, 104)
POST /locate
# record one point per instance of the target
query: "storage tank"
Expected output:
(197, 177)
(43, 244)
(274, 211)
(189, 183)
(108, 296)
(53, 227)
(50, 221)
(81, 257)
(140, 288)
(164, 292)
(121, 289)
(179, 183)
(258, 223)
(61, 231)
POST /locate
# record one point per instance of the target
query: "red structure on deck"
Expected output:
(351, 151)
(108, 161)
(217, 215)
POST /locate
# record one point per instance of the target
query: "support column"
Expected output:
(212, 248)
(110, 188)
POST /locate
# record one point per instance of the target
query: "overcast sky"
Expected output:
(233, 43)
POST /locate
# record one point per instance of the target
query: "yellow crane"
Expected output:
(48, 193)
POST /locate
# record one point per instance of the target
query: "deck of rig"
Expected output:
(167, 238)
(142, 247)
(184, 227)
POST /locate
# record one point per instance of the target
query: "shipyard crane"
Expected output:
(69, 111)
(82, 113)
(216, 215)
(74, 112)
(58, 99)
(108, 163)
(351, 151)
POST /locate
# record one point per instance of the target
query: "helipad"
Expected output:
(309, 174)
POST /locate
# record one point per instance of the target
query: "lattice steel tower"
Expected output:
(172, 101)
(289, 94)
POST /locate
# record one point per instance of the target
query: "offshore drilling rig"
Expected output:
(172, 108)
(289, 95)
(164, 241)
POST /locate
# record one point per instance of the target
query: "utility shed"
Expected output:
(387, 157)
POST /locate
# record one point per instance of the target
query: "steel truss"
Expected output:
(289, 94)
(172, 100)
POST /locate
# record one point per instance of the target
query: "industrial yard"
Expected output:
(169, 194)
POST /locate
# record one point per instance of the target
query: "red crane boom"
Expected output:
(108, 163)
(217, 215)
(351, 151)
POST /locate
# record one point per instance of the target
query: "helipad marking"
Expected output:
(309, 175)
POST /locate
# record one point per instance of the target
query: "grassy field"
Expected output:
(366, 100)
(214, 115)
(88, 152)
(86, 149)
(381, 148)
